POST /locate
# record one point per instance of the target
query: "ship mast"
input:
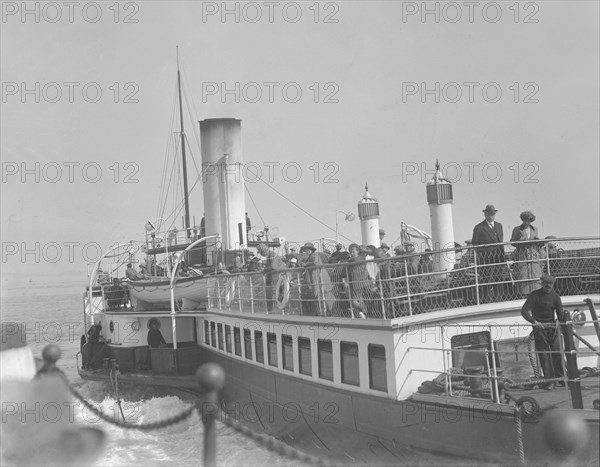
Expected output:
(184, 167)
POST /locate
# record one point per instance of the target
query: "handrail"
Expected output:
(393, 287)
(172, 283)
(93, 275)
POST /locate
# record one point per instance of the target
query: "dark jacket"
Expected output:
(483, 235)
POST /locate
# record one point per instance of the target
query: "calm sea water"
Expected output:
(54, 315)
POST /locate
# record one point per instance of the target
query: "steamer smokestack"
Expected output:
(223, 183)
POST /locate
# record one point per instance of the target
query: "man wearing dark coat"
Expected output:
(541, 309)
(491, 259)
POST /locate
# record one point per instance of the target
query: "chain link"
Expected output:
(263, 440)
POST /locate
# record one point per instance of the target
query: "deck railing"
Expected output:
(495, 359)
(406, 285)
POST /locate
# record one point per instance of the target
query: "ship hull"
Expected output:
(358, 429)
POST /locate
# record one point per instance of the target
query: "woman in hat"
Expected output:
(527, 255)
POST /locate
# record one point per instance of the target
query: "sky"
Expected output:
(332, 95)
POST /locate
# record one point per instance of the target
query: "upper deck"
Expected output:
(406, 285)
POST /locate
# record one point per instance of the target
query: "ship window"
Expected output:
(349, 361)
(228, 338)
(287, 353)
(213, 334)
(207, 332)
(237, 340)
(248, 343)
(304, 356)
(220, 335)
(469, 350)
(325, 359)
(377, 371)
(258, 345)
(272, 348)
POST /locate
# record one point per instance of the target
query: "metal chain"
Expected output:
(273, 444)
(263, 440)
(143, 427)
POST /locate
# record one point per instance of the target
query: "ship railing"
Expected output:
(500, 358)
(388, 288)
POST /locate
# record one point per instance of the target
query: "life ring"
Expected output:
(284, 281)
(230, 292)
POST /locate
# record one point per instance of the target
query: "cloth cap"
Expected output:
(385, 245)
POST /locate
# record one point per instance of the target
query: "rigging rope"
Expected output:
(303, 210)
(255, 207)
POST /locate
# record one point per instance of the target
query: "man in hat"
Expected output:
(317, 281)
(339, 256)
(381, 235)
(541, 309)
(385, 249)
(492, 258)
(273, 265)
(93, 350)
(413, 259)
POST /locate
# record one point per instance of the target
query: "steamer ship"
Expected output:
(363, 361)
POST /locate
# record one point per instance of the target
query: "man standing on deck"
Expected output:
(539, 309)
(91, 352)
(491, 259)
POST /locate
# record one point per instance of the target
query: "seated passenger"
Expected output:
(155, 337)
(132, 274)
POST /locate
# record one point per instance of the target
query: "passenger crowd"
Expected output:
(360, 284)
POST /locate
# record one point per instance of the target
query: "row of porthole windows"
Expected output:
(223, 337)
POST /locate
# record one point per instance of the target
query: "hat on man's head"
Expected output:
(293, 260)
(547, 278)
(385, 246)
(409, 243)
(398, 249)
(490, 208)
(308, 246)
(381, 232)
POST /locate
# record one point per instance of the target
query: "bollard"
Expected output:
(51, 354)
(211, 379)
